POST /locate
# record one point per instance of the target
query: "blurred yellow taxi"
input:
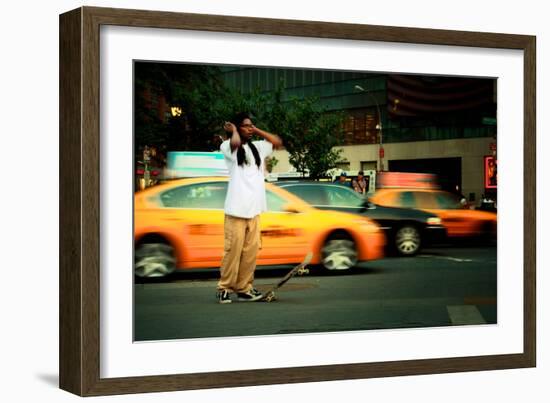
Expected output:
(179, 225)
(457, 219)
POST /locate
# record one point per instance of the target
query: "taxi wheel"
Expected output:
(407, 240)
(339, 253)
(154, 260)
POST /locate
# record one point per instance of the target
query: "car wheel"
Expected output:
(154, 260)
(407, 240)
(339, 253)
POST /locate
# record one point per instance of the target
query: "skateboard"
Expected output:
(300, 269)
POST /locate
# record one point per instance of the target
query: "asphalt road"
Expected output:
(440, 287)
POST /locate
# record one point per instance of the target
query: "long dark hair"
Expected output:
(241, 155)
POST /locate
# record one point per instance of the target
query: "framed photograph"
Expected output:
(372, 120)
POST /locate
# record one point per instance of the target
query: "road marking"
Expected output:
(455, 259)
(465, 315)
(452, 259)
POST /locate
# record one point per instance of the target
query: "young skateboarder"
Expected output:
(244, 202)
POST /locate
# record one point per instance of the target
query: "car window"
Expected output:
(339, 196)
(198, 196)
(447, 201)
(407, 200)
(274, 201)
(314, 195)
(425, 200)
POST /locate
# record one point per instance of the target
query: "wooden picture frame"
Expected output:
(80, 199)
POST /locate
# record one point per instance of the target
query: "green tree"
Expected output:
(270, 163)
(312, 138)
(309, 133)
(197, 90)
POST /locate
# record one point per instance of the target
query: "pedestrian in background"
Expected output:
(342, 179)
(461, 197)
(361, 183)
(244, 202)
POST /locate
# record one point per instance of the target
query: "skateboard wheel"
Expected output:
(269, 297)
(303, 271)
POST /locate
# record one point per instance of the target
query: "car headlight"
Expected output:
(434, 221)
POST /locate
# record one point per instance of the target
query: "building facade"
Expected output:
(408, 123)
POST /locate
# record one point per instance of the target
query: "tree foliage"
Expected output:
(309, 134)
(312, 137)
(197, 89)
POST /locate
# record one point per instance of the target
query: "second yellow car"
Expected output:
(459, 221)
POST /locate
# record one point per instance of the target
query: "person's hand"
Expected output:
(229, 127)
(256, 131)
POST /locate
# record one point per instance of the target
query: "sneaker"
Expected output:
(223, 297)
(251, 295)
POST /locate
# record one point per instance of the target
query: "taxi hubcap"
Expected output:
(154, 260)
(407, 240)
(339, 254)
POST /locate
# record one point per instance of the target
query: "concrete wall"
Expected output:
(471, 151)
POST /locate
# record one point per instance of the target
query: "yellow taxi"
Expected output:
(179, 225)
(458, 220)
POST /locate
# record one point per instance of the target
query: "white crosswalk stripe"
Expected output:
(465, 315)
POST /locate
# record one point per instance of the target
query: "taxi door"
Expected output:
(283, 233)
(447, 207)
(195, 213)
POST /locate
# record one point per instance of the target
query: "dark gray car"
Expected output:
(407, 230)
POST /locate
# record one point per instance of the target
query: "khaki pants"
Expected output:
(241, 245)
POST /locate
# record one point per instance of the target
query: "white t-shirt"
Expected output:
(246, 191)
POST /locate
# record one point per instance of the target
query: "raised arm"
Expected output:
(235, 140)
(272, 138)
